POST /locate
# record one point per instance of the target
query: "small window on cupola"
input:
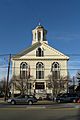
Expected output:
(35, 36)
(39, 36)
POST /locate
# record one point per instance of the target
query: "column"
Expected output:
(41, 35)
(36, 36)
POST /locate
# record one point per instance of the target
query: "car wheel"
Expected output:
(78, 101)
(74, 101)
(58, 101)
(13, 102)
(40, 98)
(30, 102)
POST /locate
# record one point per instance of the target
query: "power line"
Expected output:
(70, 54)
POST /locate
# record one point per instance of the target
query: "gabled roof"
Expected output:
(56, 51)
(27, 50)
(34, 46)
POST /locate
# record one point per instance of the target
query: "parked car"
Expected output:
(67, 97)
(1, 95)
(41, 96)
(78, 101)
(23, 99)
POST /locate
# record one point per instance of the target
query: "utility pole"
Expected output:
(7, 86)
(73, 84)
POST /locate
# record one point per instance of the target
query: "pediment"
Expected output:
(49, 52)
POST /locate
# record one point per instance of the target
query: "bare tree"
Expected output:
(4, 89)
(3, 85)
(57, 85)
(78, 77)
(22, 85)
(18, 84)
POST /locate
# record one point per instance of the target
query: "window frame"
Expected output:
(55, 70)
(39, 52)
(24, 70)
(39, 70)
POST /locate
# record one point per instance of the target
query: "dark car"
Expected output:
(1, 95)
(27, 99)
(67, 97)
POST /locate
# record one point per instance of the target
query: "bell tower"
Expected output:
(39, 34)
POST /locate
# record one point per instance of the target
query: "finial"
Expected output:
(39, 23)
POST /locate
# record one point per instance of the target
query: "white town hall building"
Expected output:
(38, 64)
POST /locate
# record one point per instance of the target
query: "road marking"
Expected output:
(36, 107)
(58, 109)
(12, 109)
(39, 108)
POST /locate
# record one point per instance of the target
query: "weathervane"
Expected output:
(39, 22)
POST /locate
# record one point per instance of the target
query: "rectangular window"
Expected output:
(56, 74)
(23, 74)
(39, 85)
(39, 74)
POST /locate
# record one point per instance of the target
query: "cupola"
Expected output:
(39, 34)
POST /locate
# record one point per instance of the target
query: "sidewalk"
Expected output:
(45, 102)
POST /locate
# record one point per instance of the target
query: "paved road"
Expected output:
(40, 114)
(37, 106)
(66, 111)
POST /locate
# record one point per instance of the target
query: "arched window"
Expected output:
(39, 70)
(24, 70)
(39, 52)
(56, 70)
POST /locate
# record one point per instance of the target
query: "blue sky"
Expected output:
(60, 17)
